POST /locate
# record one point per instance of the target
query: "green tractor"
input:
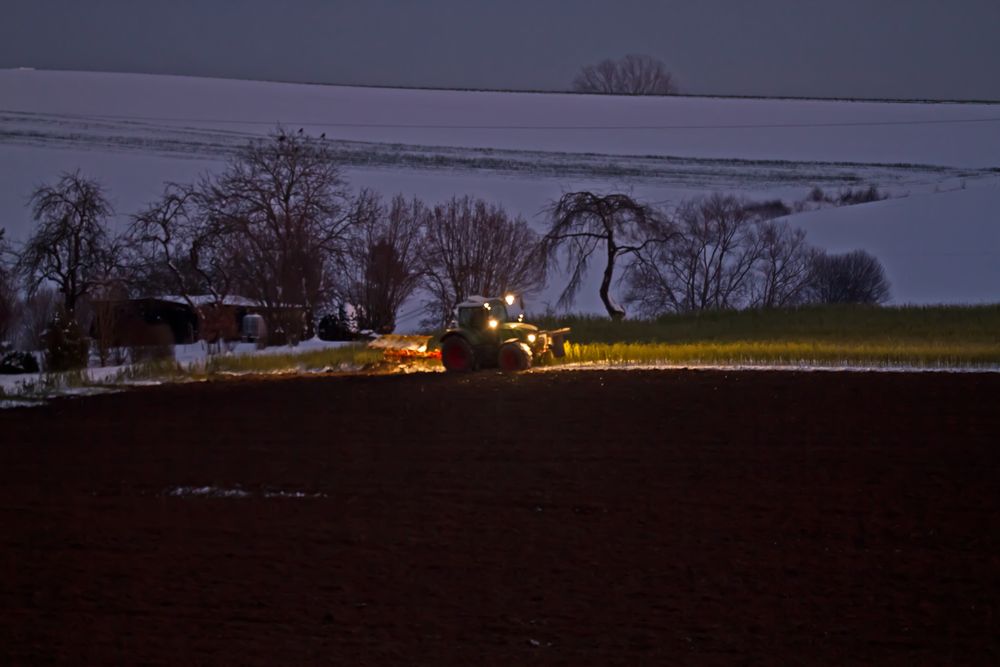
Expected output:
(491, 333)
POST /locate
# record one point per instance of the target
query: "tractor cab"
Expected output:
(481, 315)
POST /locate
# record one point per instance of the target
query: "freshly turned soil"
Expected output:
(570, 518)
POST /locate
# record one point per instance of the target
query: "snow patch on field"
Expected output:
(23, 403)
(235, 492)
(198, 352)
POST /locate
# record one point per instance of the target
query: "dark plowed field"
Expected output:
(688, 517)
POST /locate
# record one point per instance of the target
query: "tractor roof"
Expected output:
(476, 300)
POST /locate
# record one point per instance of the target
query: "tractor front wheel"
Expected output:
(457, 355)
(514, 357)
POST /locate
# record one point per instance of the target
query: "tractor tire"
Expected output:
(457, 355)
(514, 358)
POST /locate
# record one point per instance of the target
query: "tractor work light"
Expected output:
(494, 323)
(509, 299)
(532, 338)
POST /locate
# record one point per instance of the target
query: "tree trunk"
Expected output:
(615, 311)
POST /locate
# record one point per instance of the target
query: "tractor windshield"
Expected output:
(498, 310)
(478, 317)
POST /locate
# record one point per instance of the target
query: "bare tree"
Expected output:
(179, 243)
(270, 226)
(852, 277)
(631, 75)
(181, 246)
(707, 264)
(381, 265)
(8, 292)
(71, 247)
(285, 204)
(473, 247)
(653, 277)
(583, 223)
(783, 273)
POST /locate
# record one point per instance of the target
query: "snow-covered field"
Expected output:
(939, 236)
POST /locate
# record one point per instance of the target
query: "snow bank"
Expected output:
(23, 389)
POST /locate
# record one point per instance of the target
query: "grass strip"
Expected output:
(786, 353)
(867, 325)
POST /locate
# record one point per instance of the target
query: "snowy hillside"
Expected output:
(136, 131)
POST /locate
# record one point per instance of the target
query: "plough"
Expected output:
(400, 346)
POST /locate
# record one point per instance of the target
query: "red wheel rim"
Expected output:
(455, 358)
(509, 360)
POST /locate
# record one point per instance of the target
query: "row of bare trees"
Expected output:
(713, 253)
(279, 226)
(717, 254)
(445, 253)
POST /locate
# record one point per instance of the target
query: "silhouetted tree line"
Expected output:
(278, 225)
(712, 253)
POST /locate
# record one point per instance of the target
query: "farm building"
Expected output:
(172, 320)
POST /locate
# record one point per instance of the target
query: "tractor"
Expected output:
(491, 333)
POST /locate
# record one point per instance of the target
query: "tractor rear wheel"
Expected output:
(514, 358)
(457, 355)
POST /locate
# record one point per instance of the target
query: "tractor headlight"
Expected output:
(494, 323)
(509, 299)
(532, 338)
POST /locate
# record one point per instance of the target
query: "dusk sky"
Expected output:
(845, 48)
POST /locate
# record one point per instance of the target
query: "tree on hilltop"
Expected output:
(632, 75)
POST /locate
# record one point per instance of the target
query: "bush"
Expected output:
(846, 197)
(852, 277)
(817, 195)
(335, 327)
(155, 342)
(15, 363)
(768, 210)
(66, 348)
(860, 196)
